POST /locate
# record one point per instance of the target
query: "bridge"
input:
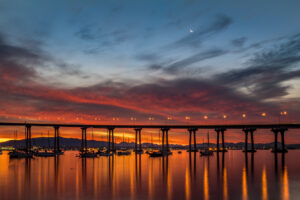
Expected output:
(191, 130)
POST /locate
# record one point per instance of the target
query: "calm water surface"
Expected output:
(181, 176)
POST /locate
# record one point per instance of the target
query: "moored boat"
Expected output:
(160, 153)
(20, 154)
(207, 151)
(88, 155)
(45, 153)
(123, 152)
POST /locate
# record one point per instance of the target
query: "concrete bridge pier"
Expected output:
(220, 130)
(282, 132)
(138, 141)
(111, 142)
(83, 140)
(251, 131)
(56, 139)
(28, 137)
(165, 139)
(192, 134)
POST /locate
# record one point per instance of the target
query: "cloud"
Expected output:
(239, 42)
(181, 64)
(196, 96)
(266, 71)
(86, 33)
(24, 63)
(197, 37)
(150, 57)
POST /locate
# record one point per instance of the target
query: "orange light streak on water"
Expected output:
(187, 183)
(205, 182)
(285, 185)
(244, 184)
(264, 184)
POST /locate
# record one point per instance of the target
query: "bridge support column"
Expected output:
(251, 131)
(223, 140)
(192, 134)
(252, 140)
(218, 137)
(165, 139)
(195, 143)
(56, 139)
(281, 131)
(246, 140)
(83, 140)
(138, 140)
(190, 139)
(28, 137)
(111, 146)
(221, 130)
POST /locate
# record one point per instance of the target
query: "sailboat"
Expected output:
(207, 151)
(123, 150)
(90, 153)
(18, 153)
(45, 152)
(150, 150)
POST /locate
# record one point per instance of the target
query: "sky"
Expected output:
(107, 62)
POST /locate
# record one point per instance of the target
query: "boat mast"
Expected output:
(123, 140)
(151, 140)
(208, 140)
(48, 140)
(15, 136)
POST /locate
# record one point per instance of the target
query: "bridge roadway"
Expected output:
(192, 129)
(106, 126)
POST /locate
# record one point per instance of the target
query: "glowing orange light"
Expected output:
(283, 113)
(224, 116)
(169, 118)
(187, 118)
(205, 117)
(151, 118)
(263, 114)
(244, 115)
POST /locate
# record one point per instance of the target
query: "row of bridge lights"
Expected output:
(263, 114)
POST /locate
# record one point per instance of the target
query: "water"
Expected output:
(180, 176)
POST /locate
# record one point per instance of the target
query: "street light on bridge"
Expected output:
(187, 118)
(151, 118)
(282, 113)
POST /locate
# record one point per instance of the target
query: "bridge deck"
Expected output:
(227, 126)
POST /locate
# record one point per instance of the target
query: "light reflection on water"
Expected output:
(231, 175)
